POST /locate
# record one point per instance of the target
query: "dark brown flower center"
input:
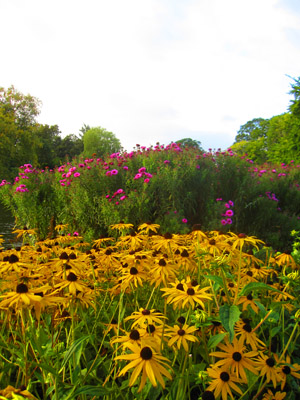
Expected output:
(22, 288)
(180, 286)
(270, 362)
(181, 332)
(108, 252)
(184, 253)
(247, 328)
(250, 297)
(168, 235)
(13, 259)
(146, 312)
(237, 356)
(224, 376)
(72, 277)
(249, 273)
(181, 320)
(286, 370)
(162, 262)
(208, 395)
(146, 353)
(150, 328)
(134, 334)
(63, 256)
(190, 291)
(133, 271)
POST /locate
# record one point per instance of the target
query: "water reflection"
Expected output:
(6, 227)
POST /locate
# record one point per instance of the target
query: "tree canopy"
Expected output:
(100, 142)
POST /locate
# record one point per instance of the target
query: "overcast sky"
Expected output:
(152, 70)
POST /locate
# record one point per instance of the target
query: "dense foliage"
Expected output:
(273, 140)
(173, 186)
(147, 316)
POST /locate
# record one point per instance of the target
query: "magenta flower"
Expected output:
(120, 191)
(166, 162)
(231, 203)
(146, 180)
(229, 213)
(76, 174)
(223, 222)
(141, 170)
(125, 167)
(229, 221)
(122, 198)
(114, 171)
(184, 220)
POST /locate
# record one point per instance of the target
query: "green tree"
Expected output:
(18, 139)
(188, 142)
(69, 147)
(100, 142)
(295, 103)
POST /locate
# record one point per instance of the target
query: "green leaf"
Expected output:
(229, 315)
(91, 391)
(215, 278)
(76, 349)
(256, 286)
(215, 340)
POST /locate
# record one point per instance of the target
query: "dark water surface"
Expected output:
(7, 223)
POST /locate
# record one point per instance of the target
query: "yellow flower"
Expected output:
(267, 367)
(222, 383)
(243, 328)
(248, 301)
(235, 359)
(146, 317)
(148, 227)
(183, 295)
(180, 335)
(276, 396)
(145, 361)
(9, 393)
(238, 241)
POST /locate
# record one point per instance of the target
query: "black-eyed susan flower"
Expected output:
(235, 358)
(132, 276)
(222, 383)
(248, 301)
(121, 227)
(145, 317)
(179, 336)
(12, 393)
(148, 227)
(243, 329)
(21, 297)
(274, 396)
(189, 296)
(287, 369)
(238, 241)
(72, 283)
(145, 361)
(163, 271)
(268, 368)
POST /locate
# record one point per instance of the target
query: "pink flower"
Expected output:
(184, 220)
(141, 170)
(146, 180)
(231, 203)
(75, 234)
(108, 173)
(76, 174)
(119, 191)
(122, 198)
(229, 213)
(125, 167)
(229, 221)
(166, 162)
(223, 222)
(114, 171)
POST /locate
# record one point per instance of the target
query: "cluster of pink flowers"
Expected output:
(21, 188)
(228, 213)
(142, 172)
(271, 196)
(119, 194)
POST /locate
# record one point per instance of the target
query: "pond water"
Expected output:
(6, 227)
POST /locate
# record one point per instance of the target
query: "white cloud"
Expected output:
(148, 70)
